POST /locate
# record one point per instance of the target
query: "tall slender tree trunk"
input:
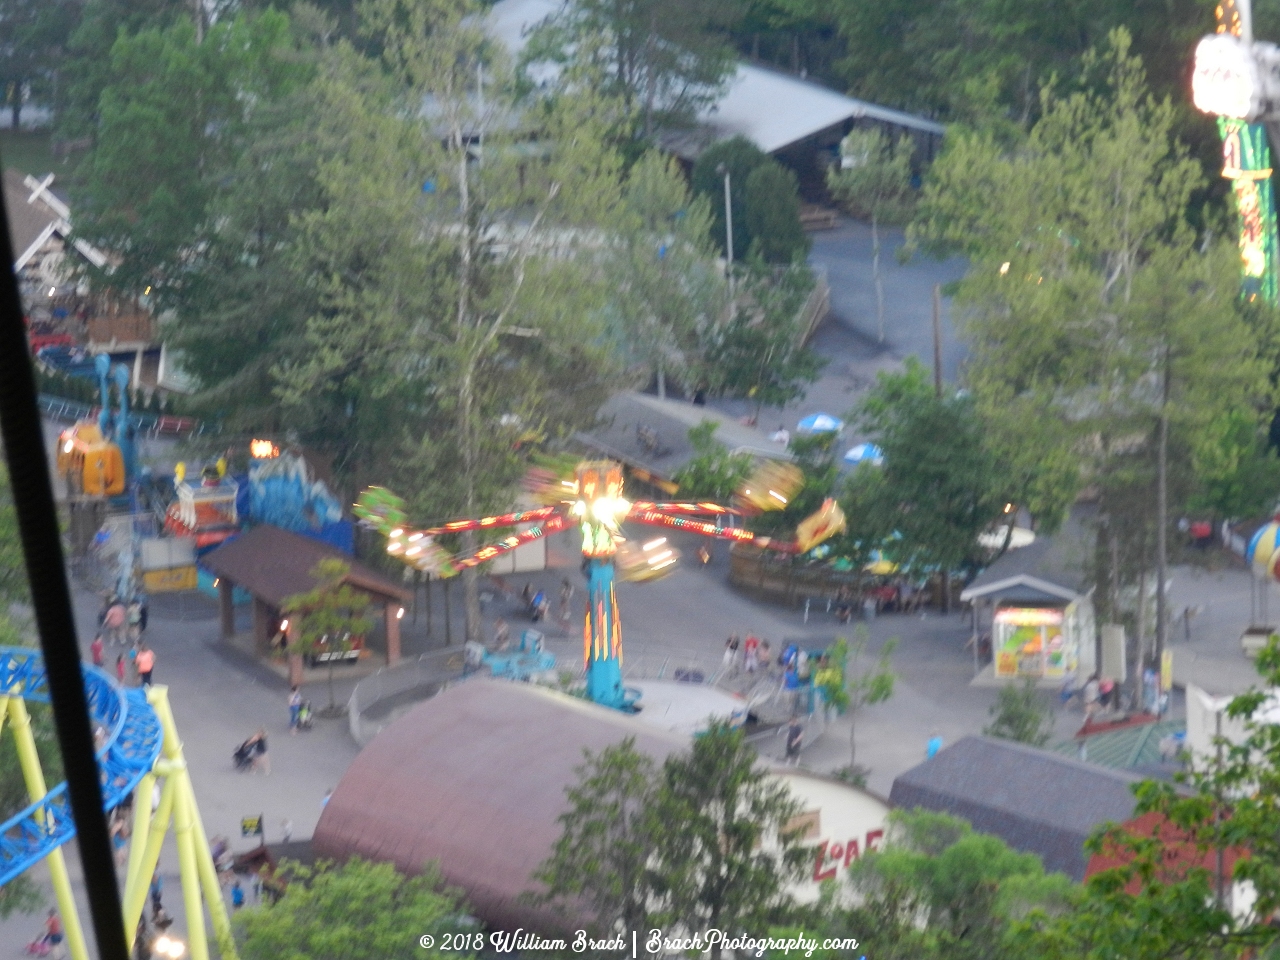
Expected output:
(1140, 633)
(875, 273)
(466, 392)
(1162, 518)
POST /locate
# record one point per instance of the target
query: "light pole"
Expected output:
(728, 226)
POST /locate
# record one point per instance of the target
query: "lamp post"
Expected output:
(728, 226)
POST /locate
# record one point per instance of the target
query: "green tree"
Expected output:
(874, 181)
(1170, 891)
(739, 158)
(668, 290)
(714, 473)
(169, 117)
(847, 688)
(1102, 327)
(773, 215)
(759, 354)
(607, 834)
(359, 911)
(663, 60)
(330, 615)
(33, 35)
(1019, 714)
(517, 350)
(724, 858)
(939, 486)
(938, 889)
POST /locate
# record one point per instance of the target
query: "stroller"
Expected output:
(243, 756)
(306, 716)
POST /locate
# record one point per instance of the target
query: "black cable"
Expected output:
(51, 599)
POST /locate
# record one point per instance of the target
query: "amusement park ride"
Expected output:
(138, 749)
(593, 501)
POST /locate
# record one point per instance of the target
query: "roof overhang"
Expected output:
(1020, 580)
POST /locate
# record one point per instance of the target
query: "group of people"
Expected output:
(121, 625)
(755, 654)
(893, 596)
(537, 604)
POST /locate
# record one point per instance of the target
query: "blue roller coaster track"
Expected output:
(128, 752)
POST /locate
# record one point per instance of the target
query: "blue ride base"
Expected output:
(602, 640)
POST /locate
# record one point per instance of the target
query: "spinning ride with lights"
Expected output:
(593, 501)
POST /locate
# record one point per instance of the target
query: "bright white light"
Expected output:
(216, 581)
(659, 556)
(393, 547)
(1004, 268)
(1225, 81)
(397, 532)
(284, 625)
(68, 446)
(400, 614)
(777, 496)
(654, 544)
(415, 537)
(169, 947)
(52, 291)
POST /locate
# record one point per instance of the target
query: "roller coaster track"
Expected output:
(127, 753)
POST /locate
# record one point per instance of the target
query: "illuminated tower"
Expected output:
(1238, 80)
(599, 508)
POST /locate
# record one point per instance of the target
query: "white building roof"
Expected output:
(770, 108)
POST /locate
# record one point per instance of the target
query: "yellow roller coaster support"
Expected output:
(195, 860)
(29, 760)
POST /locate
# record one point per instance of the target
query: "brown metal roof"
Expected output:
(274, 564)
(475, 779)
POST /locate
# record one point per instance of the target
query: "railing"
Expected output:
(430, 672)
(151, 424)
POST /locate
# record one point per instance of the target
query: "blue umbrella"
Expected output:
(820, 423)
(865, 452)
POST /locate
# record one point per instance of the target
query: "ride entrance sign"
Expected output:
(251, 826)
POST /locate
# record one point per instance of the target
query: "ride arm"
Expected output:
(486, 523)
(657, 518)
(554, 524)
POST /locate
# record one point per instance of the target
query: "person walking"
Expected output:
(133, 616)
(120, 668)
(157, 892)
(95, 651)
(261, 759)
(501, 635)
(751, 653)
(295, 708)
(731, 654)
(113, 622)
(145, 662)
(566, 599)
(237, 895)
(1091, 693)
(795, 740)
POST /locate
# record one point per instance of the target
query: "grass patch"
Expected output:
(29, 151)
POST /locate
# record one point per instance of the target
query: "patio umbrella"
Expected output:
(865, 452)
(820, 423)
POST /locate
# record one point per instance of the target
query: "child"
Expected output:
(237, 895)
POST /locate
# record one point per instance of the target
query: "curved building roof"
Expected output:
(475, 779)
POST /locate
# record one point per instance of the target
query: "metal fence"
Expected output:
(427, 674)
